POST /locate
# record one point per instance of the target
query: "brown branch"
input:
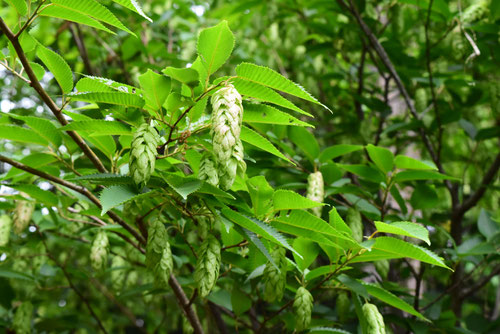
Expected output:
(184, 303)
(219, 322)
(47, 99)
(80, 44)
(480, 283)
(361, 70)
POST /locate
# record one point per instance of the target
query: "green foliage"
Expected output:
(202, 143)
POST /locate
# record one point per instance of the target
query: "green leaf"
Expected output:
(43, 196)
(327, 330)
(364, 171)
(335, 151)
(262, 113)
(261, 194)
(16, 275)
(20, 6)
(184, 186)
(309, 251)
(187, 76)
(20, 134)
(99, 84)
(58, 66)
(99, 127)
(264, 94)
(382, 157)
(267, 77)
(70, 15)
(258, 227)
(93, 9)
(287, 200)
(240, 301)
(133, 5)
(116, 195)
(404, 162)
(338, 223)
(34, 160)
(392, 248)
(250, 136)
(487, 226)
(214, 46)
(408, 229)
(412, 175)
(106, 178)
(391, 299)
(305, 141)
(42, 127)
(156, 88)
(116, 98)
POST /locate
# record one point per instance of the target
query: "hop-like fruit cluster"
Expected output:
(118, 273)
(22, 215)
(275, 276)
(316, 190)
(227, 117)
(354, 221)
(382, 268)
(374, 320)
(476, 11)
(343, 305)
(143, 153)
(22, 318)
(207, 266)
(208, 170)
(5, 227)
(99, 251)
(420, 100)
(303, 305)
(158, 254)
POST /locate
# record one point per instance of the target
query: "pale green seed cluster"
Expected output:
(420, 100)
(158, 254)
(227, 117)
(99, 251)
(316, 190)
(382, 268)
(208, 170)
(22, 318)
(275, 276)
(118, 273)
(143, 153)
(208, 265)
(354, 221)
(22, 215)
(374, 320)
(476, 11)
(303, 305)
(5, 227)
(343, 305)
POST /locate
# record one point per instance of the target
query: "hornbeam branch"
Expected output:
(47, 99)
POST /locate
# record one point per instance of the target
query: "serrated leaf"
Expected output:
(70, 15)
(58, 66)
(250, 136)
(156, 88)
(93, 9)
(267, 77)
(258, 227)
(392, 248)
(34, 160)
(381, 157)
(306, 141)
(116, 98)
(264, 94)
(116, 195)
(412, 175)
(262, 113)
(408, 229)
(404, 162)
(20, 6)
(99, 127)
(187, 76)
(42, 127)
(336, 151)
(134, 6)
(20, 134)
(99, 84)
(184, 186)
(207, 188)
(287, 200)
(106, 179)
(214, 46)
(327, 330)
(391, 299)
(337, 222)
